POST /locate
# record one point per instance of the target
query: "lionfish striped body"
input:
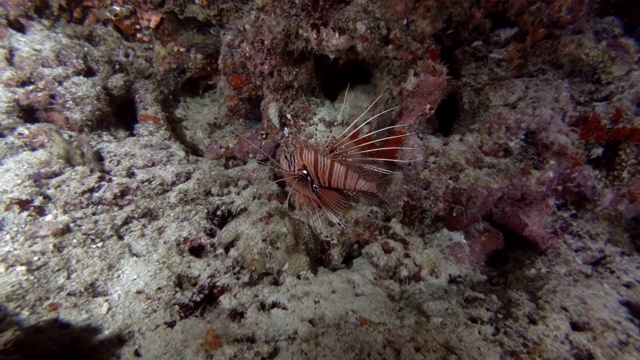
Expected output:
(346, 167)
(321, 182)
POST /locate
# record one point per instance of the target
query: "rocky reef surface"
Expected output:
(141, 216)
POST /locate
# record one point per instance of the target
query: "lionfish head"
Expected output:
(287, 161)
(294, 169)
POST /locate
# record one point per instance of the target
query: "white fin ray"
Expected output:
(381, 159)
(347, 151)
(371, 133)
(280, 167)
(342, 138)
(382, 149)
(344, 101)
(379, 169)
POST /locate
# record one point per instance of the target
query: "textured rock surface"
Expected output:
(141, 216)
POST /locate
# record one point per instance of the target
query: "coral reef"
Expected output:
(142, 215)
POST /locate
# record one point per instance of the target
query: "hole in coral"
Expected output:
(237, 315)
(274, 353)
(447, 114)
(474, 320)
(26, 82)
(411, 213)
(17, 26)
(515, 247)
(449, 41)
(628, 11)
(498, 259)
(42, 9)
(10, 58)
(633, 307)
(122, 33)
(275, 304)
(248, 108)
(227, 248)
(606, 160)
(125, 113)
(232, 162)
(500, 20)
(197, 250)
(335, 74)
(184, 281)
(196, 86)
(220, 215)
(578, 326)
(206, 294)
(632, 228)
(248, 339)
(95, 290)
(251, 110)
(89, 72)
(28, 114)
(353, 253)
(211, 231)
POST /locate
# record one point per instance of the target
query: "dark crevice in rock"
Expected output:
(125, 113)
(250, 110)
(17, 26)
(29, 114)
(633, 307)
(197, 85)
(334, 75)
(353, 253)
(628, 11)
(500, 20)
(515, 247)
(449, 41)
(447, 114)
(207, 294)
(89, 72)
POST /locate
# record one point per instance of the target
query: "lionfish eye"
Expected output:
(305, 175)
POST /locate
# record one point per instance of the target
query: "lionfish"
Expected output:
(349, 165)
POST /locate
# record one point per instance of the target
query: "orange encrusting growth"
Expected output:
(211, 340)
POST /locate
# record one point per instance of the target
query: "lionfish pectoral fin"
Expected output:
(332, 201)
